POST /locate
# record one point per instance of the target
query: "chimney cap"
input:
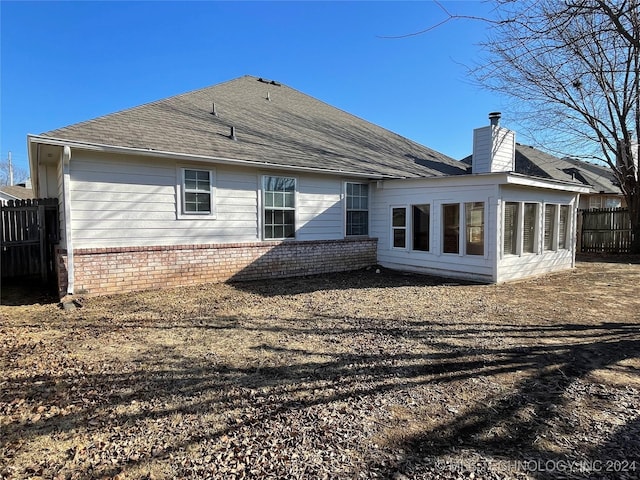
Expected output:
(494, 118)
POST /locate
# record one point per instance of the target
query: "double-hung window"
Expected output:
(196, 187)
(357, 209)
(279, 206)
(399, 227)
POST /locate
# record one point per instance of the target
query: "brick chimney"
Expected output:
(494, 147)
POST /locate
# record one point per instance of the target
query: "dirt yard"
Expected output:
(358, 375)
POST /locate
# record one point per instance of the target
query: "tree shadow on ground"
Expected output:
(254, 403)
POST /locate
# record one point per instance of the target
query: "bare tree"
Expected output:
(19, 174)
(573, 67)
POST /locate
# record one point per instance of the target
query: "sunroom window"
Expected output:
(474, 226)
(549, 225)
(510, 240)
(421, 227)
(563, 226)
(451, 228)
(529, 228)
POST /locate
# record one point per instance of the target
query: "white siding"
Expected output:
(319, 210)
(493, 150)
(435, 193)
(511, 267)
(131, 201)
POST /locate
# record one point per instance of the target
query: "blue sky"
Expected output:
(66, 62)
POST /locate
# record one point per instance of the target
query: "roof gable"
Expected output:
(273, 123)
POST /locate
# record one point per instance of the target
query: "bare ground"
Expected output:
(359, 375)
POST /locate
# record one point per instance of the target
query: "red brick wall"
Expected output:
(124, 269)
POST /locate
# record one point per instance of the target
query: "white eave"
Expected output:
(148, 152)
(513, 178)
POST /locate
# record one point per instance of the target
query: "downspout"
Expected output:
(575, 232)
(66, 181)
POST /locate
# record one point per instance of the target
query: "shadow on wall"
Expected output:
(304, 258)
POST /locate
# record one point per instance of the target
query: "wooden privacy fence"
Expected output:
(605, 230)
(29, 233)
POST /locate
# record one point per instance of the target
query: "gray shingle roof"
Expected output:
(288, 128)
(532, 161)
(536, 163)
(18, 192)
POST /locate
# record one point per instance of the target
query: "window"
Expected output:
(563, 226)
(549, 224)
(510, 240)
(474, 226)
(279, 205)
(421, 227)
(196, 192)
(595, 201)
(451, 228)
(529, 228)
(357, 209)
(612, 202)
(399, 227)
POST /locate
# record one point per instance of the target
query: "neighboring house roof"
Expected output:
(599, 177)
(536, 163)
(16, 192)
(273, 123)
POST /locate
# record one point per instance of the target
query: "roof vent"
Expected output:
(268, 97)
(269, 82)
(232, 133)
(494, 118)
(213, 110)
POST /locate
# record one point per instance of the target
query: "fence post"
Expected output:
(42, 232)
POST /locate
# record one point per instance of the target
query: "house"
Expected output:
(251, 179)
(21, 191)
(604, 189)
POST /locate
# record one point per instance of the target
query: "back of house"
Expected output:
(251, 179)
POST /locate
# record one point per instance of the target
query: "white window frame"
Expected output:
(555, 220)
(536, 228)
(461, 227)
(181, 213)
(466, 238)
(517, 227)
(347, 210)
(263, 208)
(567, 228)
(405, 227)
(429, 226)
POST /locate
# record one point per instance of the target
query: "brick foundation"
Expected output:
(100, 271)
